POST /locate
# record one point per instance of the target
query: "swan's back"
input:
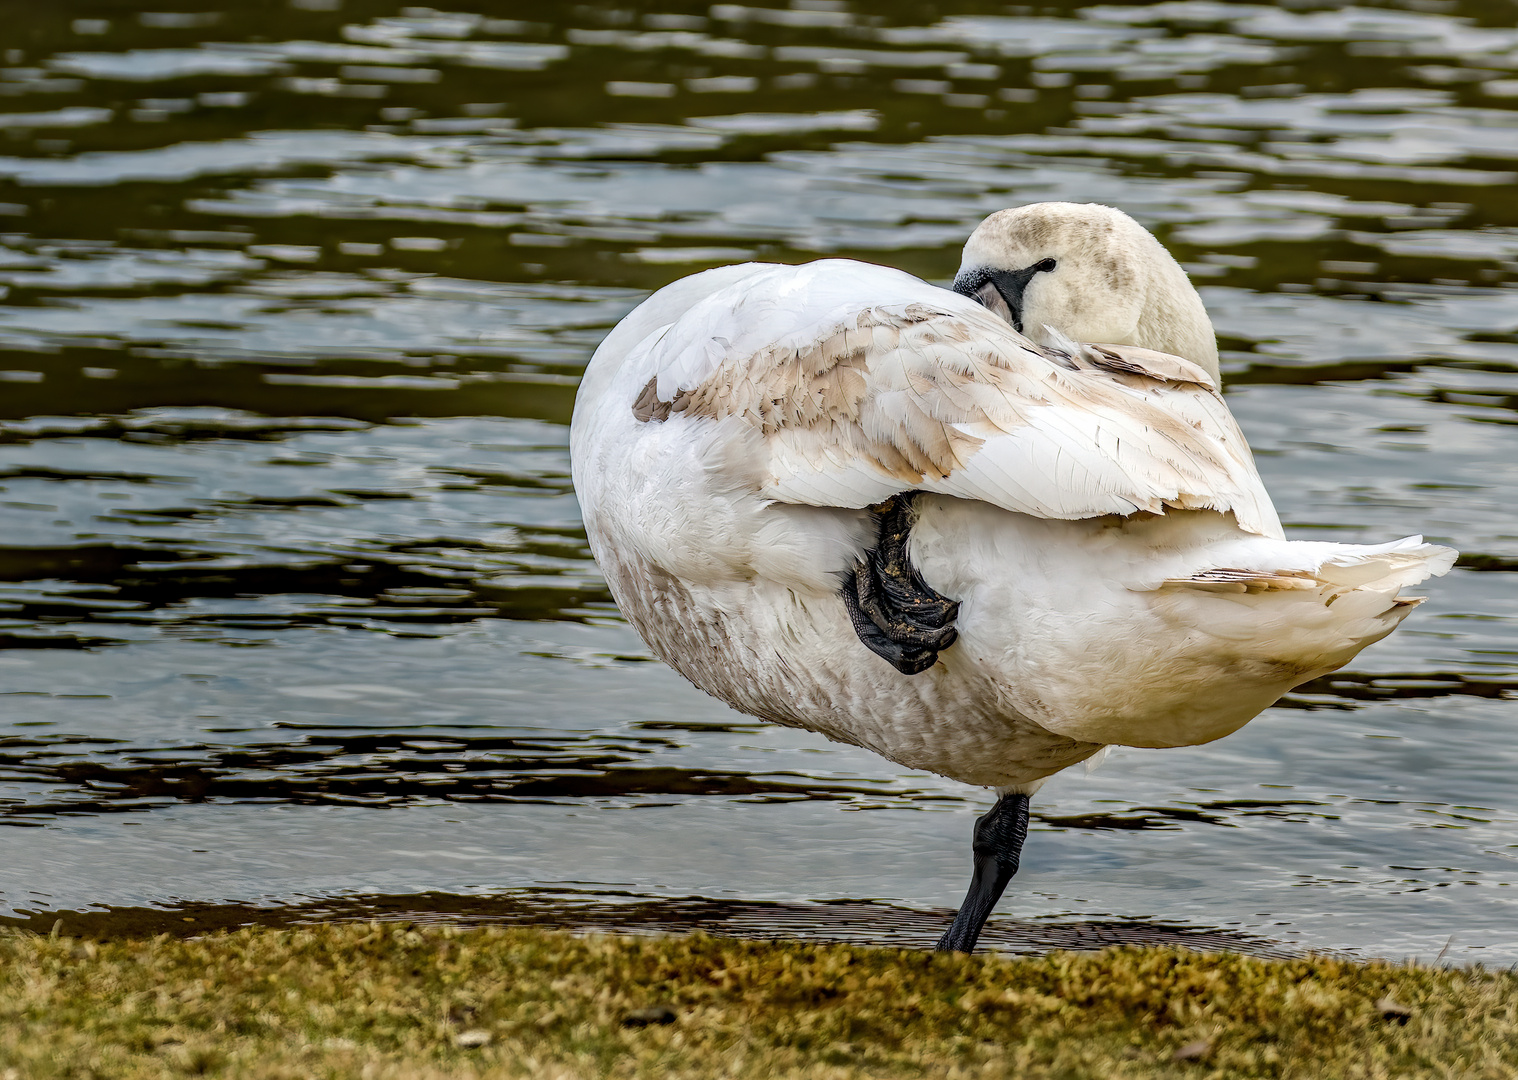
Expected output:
(859, 381)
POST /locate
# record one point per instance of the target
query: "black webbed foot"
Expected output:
(893, 610)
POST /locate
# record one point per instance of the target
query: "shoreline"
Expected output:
(864, 922)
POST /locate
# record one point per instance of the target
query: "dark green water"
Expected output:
(295, 607)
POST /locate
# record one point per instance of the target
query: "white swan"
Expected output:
(840, 498)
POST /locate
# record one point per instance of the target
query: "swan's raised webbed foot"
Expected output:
(998, 845)
(894, 611)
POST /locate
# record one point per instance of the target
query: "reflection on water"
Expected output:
(96, 776)
(294, 599)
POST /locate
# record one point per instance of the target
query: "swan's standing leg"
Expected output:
(894, 612)
(998, 844)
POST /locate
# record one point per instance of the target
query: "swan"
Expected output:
(985, 532)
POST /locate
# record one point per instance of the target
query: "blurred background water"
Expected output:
(296, 611)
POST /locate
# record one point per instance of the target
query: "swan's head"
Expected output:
(1090, 272)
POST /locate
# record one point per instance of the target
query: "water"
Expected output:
(296, 613)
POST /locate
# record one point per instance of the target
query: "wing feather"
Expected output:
(863, 381)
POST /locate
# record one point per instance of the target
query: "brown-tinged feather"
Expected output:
(917, 390)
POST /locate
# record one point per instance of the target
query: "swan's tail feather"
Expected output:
(1380, 568)
(1398, 564)
(1231, 579)
(1305, 607)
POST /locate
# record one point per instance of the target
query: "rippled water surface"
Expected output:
(296, 611)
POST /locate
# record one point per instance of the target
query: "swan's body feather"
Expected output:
(861, 381)
(1120, 571)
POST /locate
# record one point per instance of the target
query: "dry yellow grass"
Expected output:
(383, 1001)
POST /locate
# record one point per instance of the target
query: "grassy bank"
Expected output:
(382, 1000)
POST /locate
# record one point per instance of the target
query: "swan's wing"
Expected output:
(862, 382)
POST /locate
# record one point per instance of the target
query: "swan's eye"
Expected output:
(1045, 266)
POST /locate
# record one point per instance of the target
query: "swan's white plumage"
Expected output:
(1121, 572)
(860, 379)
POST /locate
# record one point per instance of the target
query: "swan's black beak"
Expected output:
(1001, 291)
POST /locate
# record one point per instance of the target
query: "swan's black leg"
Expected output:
(998, 845)
(893, 610)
